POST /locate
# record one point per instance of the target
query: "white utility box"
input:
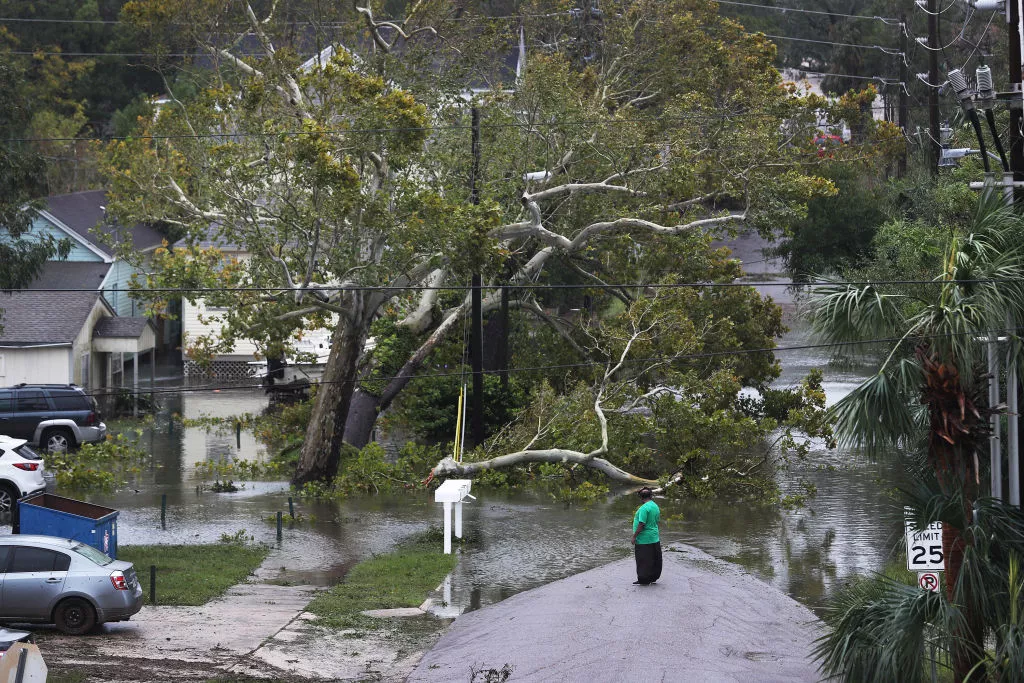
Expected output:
(453, 491)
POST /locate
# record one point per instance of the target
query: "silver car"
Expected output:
(58, 581)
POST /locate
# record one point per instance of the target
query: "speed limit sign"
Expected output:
(924, 548)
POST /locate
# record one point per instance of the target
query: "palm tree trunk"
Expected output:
(956, 429)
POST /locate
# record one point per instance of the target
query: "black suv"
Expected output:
(55, 417)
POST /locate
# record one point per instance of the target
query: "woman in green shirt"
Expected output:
(646, 541)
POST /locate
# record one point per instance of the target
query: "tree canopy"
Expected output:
(611, 157)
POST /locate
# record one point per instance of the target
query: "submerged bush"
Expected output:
(101, 466)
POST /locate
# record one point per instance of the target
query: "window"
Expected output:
(38, 560)
(69, 400)
(90, 553)
(62, 562)
(6, 402)
(27, 453)
(5, 551)
(31, 401)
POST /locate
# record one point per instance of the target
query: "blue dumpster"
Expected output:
(49, 515)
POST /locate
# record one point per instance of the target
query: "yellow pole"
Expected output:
(456, 455)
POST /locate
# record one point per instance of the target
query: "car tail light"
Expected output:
(27, 466)
(91, 419)
(120, 583)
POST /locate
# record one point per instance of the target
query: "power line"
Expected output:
(529, 286)
(785, 10)
(886, 50)
(883, 48)
(58, 53)
(941, 11)
(707, 118)
(326, 24)
(568, 366)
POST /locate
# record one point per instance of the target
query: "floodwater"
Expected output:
(522, 540)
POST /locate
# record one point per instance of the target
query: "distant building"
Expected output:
(68, 337)
(240, 362)
(80, 217)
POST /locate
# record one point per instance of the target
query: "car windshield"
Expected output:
(90, 553)
(26, 452)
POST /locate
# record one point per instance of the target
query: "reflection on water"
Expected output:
(524, 539)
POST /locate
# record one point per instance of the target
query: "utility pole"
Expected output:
(476, 336)
(1014, 65)
(503, 341)
(904, 113)
(1013, 20)
(933, 80)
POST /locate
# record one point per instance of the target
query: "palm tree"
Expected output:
(929, 386)
(879, 628)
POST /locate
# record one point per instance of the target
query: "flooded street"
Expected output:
(523, 540)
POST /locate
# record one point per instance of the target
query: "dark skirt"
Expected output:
(648, 562)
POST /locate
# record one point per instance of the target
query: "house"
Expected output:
(199, 320)
(67, 337)
(242, 360)
(80, 218)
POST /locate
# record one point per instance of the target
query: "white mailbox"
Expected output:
(453, 491)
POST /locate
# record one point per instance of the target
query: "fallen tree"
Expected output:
(731, 445)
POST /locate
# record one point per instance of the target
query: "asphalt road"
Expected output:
(705, 620)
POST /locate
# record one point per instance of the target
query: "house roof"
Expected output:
(121, 327)
(212, 237)
(86, 275)
(33, 317)
(84, 213)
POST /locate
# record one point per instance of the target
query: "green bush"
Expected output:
(101, 466)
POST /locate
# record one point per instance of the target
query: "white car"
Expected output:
(22, 472)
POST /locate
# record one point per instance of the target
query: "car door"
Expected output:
(6, 412)
(33, 581)
(30, 408)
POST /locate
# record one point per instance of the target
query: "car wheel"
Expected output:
(75, 616)
(58, 440)
(8, 499)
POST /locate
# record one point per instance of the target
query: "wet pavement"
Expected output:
(705, 620)
(183, 643)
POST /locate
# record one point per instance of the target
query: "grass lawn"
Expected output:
(192, 574)
(402, 578)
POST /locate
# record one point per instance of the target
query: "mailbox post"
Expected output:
(452, 492)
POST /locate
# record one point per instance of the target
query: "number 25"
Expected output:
(934, 553)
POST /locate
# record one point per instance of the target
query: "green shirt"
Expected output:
(649, 513)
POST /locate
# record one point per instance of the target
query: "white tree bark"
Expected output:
(450, 468)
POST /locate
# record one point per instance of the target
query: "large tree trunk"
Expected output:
(325, 435)
(367, 407)
(362, 417)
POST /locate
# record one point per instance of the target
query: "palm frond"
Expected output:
(878, 629)
(841, 313)
(883, 410)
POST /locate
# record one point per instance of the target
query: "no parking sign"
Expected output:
(928, 581)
